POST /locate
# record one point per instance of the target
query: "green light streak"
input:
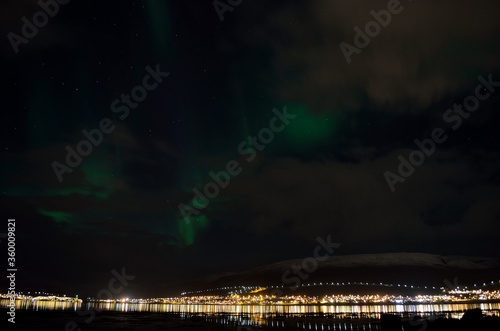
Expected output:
(57, 216)
(158, 17)
(187, 231)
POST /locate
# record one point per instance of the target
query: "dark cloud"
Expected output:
(428, 51)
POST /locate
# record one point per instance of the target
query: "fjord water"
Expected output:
(271, 315)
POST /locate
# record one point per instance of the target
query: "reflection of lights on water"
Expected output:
(239, 314)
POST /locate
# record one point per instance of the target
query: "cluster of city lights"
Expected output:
(236, 299)
(47, 297)
(450, 296)
(250, 295)
(230, 289)
(249, 289)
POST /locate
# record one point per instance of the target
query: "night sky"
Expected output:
(325, 173)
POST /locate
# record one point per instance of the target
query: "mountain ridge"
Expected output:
(413, 268)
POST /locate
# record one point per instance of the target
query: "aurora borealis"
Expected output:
(322, 175)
